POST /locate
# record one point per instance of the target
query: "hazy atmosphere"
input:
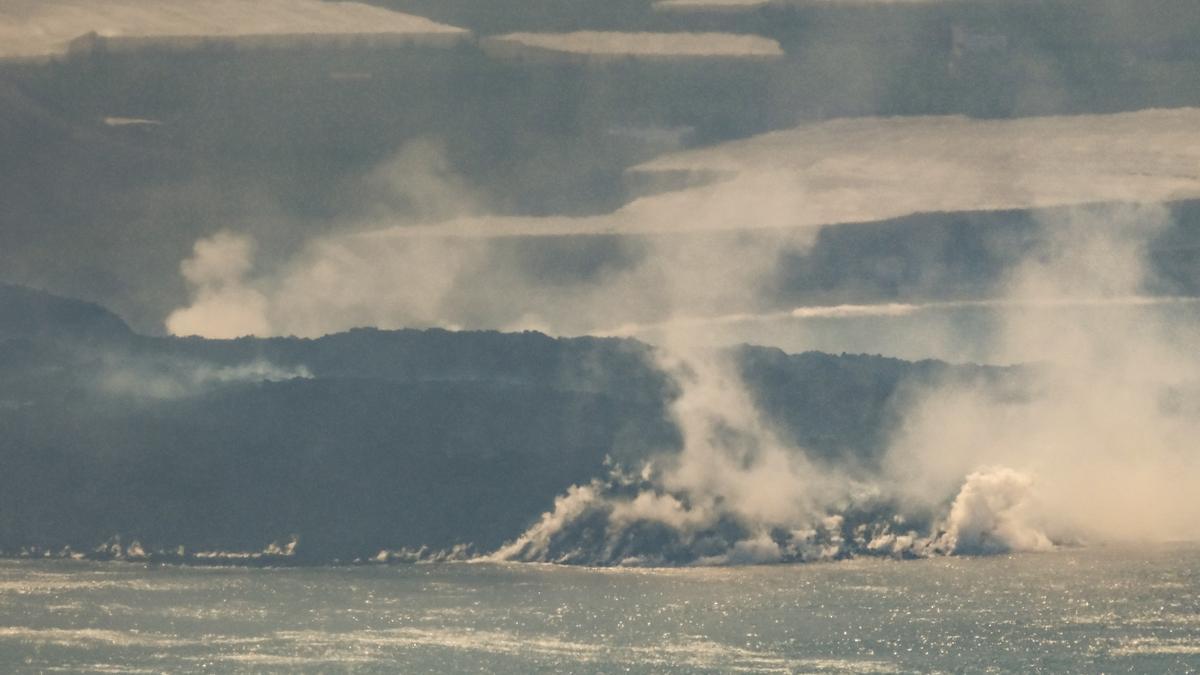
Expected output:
(797, 289)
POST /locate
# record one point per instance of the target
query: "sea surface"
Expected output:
(1099, 609)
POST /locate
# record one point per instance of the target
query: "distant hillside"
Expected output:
(27, 313)
(359, 441)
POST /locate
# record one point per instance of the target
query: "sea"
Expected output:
(1097, 609)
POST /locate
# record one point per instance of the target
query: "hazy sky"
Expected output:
(976, 180)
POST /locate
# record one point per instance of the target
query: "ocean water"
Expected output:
(1099, 609)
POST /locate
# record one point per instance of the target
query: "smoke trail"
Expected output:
(170, 378)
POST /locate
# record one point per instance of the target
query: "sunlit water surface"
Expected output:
(1081, 610)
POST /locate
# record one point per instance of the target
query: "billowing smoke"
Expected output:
(1107, 426)
(1097, 443)
(734, 494)
(347, 280)
(222, 305)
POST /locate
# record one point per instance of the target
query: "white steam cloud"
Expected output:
(1098, 445)
(223, 306)
(1109, 428)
